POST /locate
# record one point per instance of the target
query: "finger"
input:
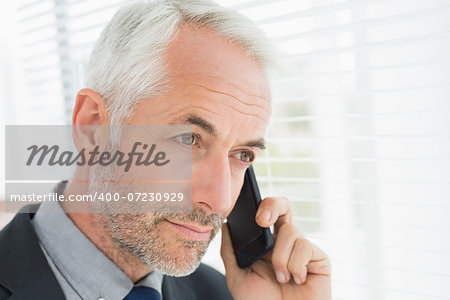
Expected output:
(284, 245)
(274, 210)
(320, 263)
(229, 259)
(307, 258)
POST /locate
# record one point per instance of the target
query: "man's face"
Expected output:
(224, 95)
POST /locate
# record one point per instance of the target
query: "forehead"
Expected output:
(200, 60)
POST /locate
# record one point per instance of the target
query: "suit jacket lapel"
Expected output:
(25, 271)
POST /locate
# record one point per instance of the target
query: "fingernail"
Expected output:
(297, 280)
(281, 277)
(265, 215)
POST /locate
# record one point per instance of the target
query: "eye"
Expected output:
(187, 138)
(245, 156)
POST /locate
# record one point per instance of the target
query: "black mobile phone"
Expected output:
(250, 241)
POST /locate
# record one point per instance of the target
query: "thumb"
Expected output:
(229, 259)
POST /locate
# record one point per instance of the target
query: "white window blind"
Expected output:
(359, 140)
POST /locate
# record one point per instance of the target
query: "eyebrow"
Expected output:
(258, 143)
(202, 123)
(211, 129)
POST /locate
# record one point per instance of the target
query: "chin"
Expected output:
(179, 261)
(170, 254)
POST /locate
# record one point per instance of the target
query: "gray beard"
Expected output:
(140, 234)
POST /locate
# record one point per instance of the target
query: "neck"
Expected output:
(131, 265)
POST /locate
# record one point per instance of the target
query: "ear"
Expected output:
(89, 120)
(90, 109)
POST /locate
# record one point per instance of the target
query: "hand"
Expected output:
(294, 269)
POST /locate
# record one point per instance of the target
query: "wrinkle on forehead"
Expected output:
(258, 105)
(240, 111)
(263, 90)
(263, 114)
(199, 107)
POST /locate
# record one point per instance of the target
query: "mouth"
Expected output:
(192, 232)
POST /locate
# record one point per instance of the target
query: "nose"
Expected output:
(211, 183)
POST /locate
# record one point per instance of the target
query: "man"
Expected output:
(169, 62)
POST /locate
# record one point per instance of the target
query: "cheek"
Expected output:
(236, 186)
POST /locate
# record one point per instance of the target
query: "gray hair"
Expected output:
(127, 63)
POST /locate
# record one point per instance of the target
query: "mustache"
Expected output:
(198, 215)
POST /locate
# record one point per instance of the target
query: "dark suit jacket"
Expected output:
(25, 273)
